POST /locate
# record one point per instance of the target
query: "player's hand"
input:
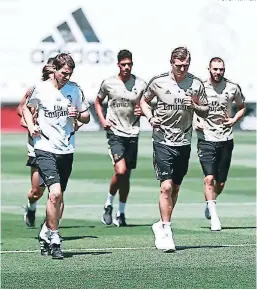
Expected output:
(229, 122)
(106, 124)
(34, 131)
(137, 111)
(155, 122)
(188, 102)
(73, 112)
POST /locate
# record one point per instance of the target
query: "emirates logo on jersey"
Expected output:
(58, 111)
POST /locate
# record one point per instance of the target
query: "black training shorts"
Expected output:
(123, 147)
(171, 162)
(215, 158)
(54, 168)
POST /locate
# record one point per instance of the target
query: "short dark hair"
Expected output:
(50, 60)
(180, 53)
(124, 53)
(216, 58)
(62, 59)
(46, 71)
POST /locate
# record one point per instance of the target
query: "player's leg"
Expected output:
(116, 152)
(180, 168)
(123, 175)
(34, 194)
(208, 153)
(163, 161)
(48, 169)
(64, 167)
(52, 219)
(223, 166)
(130, 155)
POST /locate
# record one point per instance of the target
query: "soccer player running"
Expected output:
(122, 125)
(53, 138)
(37, 183)
(179, 94)
(215, 135)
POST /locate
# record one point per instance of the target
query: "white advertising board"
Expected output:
(93, 31)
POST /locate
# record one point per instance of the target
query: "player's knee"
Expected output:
(121, 171)
(35, 192)
(166, 189)
(209, 180)
(55, 197)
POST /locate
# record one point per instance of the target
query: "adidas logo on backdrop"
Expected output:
(76, 37)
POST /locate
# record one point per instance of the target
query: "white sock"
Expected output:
(45, 232)
(165, 224)
(32, 206)
(109, 200)
(121, 208)
(212, 208)
(55, 238)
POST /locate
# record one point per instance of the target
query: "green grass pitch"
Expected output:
(98, 256)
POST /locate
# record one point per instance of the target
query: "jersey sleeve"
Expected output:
(238, 96)
(33, 98)
(102, 91)
(202, 97)
(149, 92)
(141, 90)
(81, 103)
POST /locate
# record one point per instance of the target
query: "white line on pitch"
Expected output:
(4, 207)
(124, 248)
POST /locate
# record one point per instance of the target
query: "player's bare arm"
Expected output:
(147, 110)
(198, 102)
(29, 119)
(23, 101)
(106, 124)
(239, 114)
(82, 117)
(138, 111)
(201, 110)
(20, 106)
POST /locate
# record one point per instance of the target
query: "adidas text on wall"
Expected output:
(76, 37)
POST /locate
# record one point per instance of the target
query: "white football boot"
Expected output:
(163, 237)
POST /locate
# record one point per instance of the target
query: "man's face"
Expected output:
(180, 67)
(63, 75)
(217, 70)
(125, 66)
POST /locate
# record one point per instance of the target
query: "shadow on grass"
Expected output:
(130, 226)
(75, 227)
(71, 238)
(81, 253)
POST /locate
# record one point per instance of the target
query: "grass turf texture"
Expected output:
(97, 256)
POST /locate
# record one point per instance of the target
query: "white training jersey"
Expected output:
(220, 99)
(176, 118)
(57, 133)
(122, 99)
